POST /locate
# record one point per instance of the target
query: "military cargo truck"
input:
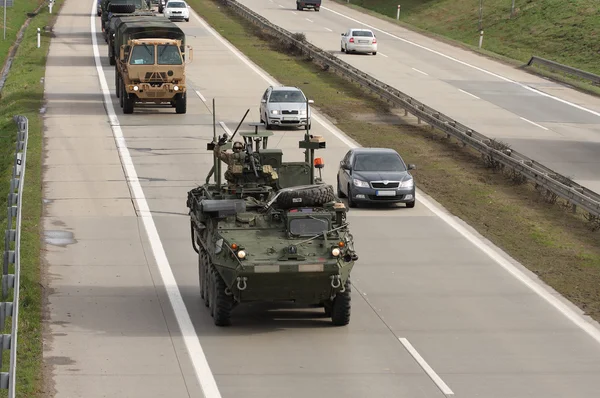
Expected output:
(150, 68)
(116, 20)
(274, 232)
(111, 7)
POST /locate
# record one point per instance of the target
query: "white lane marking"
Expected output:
(576, 318)
(468, 93)
(535, 124)
(506, 79)
(434, 376)
(202, 369)
(224, 127)
(420, 71)
(294, 12)
(329, 29)
(383, 55)
(280, 5)
(201, 96)
(308, 20)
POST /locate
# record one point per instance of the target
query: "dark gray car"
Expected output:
(375, 175)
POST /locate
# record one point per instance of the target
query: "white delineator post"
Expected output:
(38, 37)
(50, 4)
(480, 38)
(398, 12)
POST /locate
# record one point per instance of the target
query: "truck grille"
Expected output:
(155, 77)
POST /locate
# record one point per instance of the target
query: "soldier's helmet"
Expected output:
(238, 146)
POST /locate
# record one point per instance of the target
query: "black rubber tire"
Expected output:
(117, 86)
(351, 203)
(128, 103)
(121, 92)
(306, 196)
(201, 265)
(181, 103)
(340, 194)
(410, 205)
(222, 303)
(341, 307)
(206, 278)
(121, 8)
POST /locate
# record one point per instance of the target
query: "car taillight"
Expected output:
(374, 40)
(351, 40)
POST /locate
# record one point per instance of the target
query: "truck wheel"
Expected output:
(181, 103)
(121, 8)
(340, 309)
(310, 195)
(121, 92)
(222, 303)
(128, 102)
(117, 84)
(111, 59)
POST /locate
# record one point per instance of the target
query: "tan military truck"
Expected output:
(151, 65)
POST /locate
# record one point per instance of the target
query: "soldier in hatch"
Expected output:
(231, 159)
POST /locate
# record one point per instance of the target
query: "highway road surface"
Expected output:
(548, 122)
(436, 311)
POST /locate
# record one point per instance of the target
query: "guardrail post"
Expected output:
(12, 256)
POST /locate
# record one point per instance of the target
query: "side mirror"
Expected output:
(412, 167)
(343, 34)
(311, 101)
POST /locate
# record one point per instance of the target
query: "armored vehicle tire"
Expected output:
(180, 103)
(201, 265)
(221, 304)
(340, 308)
(313, 195)
(121, 8)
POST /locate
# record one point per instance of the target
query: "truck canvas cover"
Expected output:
(149, 28)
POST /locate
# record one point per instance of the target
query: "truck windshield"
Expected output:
(142, 55)
(169, 55)
(308, 226)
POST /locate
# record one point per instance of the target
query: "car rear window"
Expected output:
(362, 33)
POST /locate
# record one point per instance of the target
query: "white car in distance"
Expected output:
(360, 41)
(177, 9)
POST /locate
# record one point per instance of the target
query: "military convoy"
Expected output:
(275, 232)
(149, 54)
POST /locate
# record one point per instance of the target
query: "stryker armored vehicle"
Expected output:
(274, 232)
(150, 68)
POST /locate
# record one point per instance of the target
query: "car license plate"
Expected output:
(363, 41)
(289, 118)
(385, 193)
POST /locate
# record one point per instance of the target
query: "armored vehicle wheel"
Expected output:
(121, 8)
(340, 308)
(180, 103)
(201, 279)
(221, 304)
(312, 195)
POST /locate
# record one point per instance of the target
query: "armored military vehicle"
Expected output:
(274, 232)
(151, 65)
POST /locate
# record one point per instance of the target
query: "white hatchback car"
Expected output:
(177, 9)
(360, 41)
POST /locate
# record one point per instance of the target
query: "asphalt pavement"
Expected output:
(548, 122)
(436, 310)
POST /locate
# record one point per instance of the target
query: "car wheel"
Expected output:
(347, 49)
(342, 49)
(340, 194)
(267, 125)
(351, 203)
(410, 205)
(188, 20)
(374, 52)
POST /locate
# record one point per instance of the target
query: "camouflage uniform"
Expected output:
(231, 159)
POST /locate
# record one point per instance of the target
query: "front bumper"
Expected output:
(371, 195)
(287, 120)
(148, 92)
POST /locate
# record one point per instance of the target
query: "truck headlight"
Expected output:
(335, 252)
(176, 88)
(241, 254)
(135, 88)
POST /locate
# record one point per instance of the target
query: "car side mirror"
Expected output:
(412, 167)
(343, 34)
(311, 101)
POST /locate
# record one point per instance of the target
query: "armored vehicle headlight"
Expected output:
(241, 254)
(176, 88)
(335, 252)
(135, 88)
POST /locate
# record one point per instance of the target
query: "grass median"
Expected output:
(23, 95)
(556, 244)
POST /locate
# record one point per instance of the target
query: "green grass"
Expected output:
(23, 95)
(547, 238)
(15, 17)
(565, 31)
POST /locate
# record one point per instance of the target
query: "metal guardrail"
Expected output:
(541, 175)
(595, 79)
(12, 248)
